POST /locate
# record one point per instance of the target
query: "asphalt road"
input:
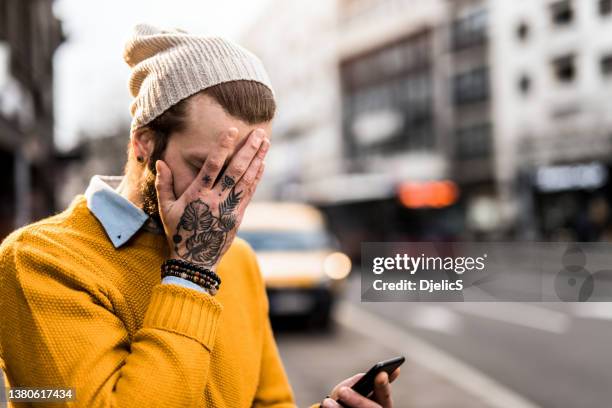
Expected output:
(556, 355)
(316, 362)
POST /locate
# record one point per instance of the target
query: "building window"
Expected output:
(565, 68)
(473, 142)
(605, 7)
(470, 30)
(524, 84)
(522, 31)
(471, 86)
(410, 54)
(561, 12)
(605, 65)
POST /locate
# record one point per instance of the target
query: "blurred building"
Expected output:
(455, 118)
(29, 35)
(100, 154)
(552, 80)
(369, 120)
(471, 103)
(394, 68)
(297, 42)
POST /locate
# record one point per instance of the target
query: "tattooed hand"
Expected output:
(201, 224)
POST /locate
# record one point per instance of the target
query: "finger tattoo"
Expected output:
(227, 182)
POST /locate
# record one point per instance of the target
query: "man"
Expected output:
(83, 301)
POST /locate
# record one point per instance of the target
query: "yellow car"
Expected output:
(299, 259)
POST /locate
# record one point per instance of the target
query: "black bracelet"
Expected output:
(203, 277)
(192, 266)
(202, 282)
(189, 274)
(206, 273)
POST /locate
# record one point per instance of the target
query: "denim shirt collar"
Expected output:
(120, 218)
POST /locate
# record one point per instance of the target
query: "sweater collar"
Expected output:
(120, 218)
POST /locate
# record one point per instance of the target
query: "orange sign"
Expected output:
(434, 194)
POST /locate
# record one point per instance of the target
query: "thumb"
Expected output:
(164, 184)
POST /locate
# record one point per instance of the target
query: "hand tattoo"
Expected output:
(227, 182)
(207, 233)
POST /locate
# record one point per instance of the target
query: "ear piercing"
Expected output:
(140, 159)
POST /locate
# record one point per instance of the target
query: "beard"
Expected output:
(149, 197)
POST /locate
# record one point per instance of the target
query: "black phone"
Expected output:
(365, 385)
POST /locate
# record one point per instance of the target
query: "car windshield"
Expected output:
(286, 240)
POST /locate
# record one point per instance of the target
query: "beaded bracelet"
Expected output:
(205, 273)
(193, 277)
(209, 287)
(203, 277)
(191, 273)
(192, 266)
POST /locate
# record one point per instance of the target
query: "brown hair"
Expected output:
(249, 101)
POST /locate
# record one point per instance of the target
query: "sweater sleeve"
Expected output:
(63, 333)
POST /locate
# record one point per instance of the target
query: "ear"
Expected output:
(143, 142)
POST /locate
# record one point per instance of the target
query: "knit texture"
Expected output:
(76, 312)
(170, 65)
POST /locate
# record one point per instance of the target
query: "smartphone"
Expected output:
(365, 385)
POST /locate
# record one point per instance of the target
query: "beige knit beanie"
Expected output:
(170, 65)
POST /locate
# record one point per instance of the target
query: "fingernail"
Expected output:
(265, 146)
(326, 403)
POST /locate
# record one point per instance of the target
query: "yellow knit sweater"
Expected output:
(76, 312)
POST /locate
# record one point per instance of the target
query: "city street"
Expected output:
(451, 149)
(465, 354)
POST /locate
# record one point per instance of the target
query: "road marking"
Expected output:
(435, 318)
(594, 310)
(438, 361)
(520, 314)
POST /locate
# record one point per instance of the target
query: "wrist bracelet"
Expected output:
(213, 289)
(190, 274)
(207, 273)
(192, 266)
(205, 281)
(203, 277)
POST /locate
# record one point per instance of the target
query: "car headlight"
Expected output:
(337, 265)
